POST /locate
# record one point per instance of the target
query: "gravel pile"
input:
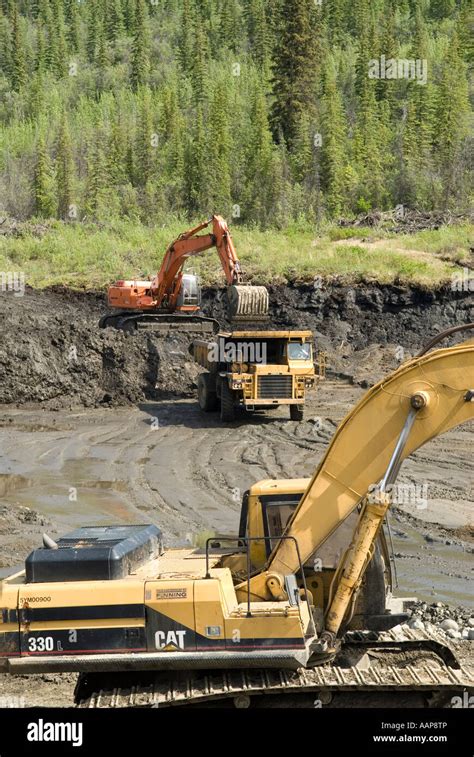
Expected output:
(453, 622)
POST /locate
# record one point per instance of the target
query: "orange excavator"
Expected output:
(173, 298)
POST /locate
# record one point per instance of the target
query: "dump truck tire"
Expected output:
(296, 412)
(207, 398)
(247, 302)
(227, 403)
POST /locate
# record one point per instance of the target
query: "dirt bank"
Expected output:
(52, 351)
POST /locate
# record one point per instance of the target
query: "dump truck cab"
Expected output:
(256, 370)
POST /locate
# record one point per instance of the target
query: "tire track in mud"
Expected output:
(170, 464)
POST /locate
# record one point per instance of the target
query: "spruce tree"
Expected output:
(6, 64)
(117, 151)
(200, 63)
(219, 151)
(440, 9)
(33, 8)
(145, 147)
(44, 184)
(465, 27)
(18, 59)
(129, 15)
(173, 130)
(334, 144)
(140, 46)
(62, 61)
(64, 169)
(294, 68)
(335, 12)
(52, 48)
(92, 25)
(44, 9)
(186, 36)
(259, 179)
(259, 34)
(40, 58)
(196, 167)
(387, 88)
(72, 20)
(451, 119)
(302, 150)
(101, 54)
(114, 20)
(229, 24)
(97, 180)
(418, 126)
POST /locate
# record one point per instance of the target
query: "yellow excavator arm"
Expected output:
(425, 397)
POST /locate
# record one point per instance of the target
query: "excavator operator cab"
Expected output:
(190, 292)
(267, 508)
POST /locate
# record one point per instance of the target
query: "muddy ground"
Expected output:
(187, 475)
(103, 428)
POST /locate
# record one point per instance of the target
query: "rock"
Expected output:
(470, 622)
(416, 624)
(449, 625)
(453, 634)
(470, 634)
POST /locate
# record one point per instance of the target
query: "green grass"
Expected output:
(450, 243)
(92, 256)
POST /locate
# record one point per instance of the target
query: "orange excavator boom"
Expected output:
(166, 285)
(164, 292)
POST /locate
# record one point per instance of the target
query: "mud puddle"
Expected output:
(432, 571)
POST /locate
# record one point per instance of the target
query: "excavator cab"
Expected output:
(190, 293)
(267, 508)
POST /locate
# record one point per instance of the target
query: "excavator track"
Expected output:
(429, 668)
(160, 322)
(329, 679)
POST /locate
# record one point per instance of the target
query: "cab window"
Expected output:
(299, 351)
(278, 516)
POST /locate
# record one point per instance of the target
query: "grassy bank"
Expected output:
(92, 256)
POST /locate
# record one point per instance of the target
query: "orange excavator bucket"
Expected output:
(247, 303)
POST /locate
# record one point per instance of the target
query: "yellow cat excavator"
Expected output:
(173, 297)
(297, 604)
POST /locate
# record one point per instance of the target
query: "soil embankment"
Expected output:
(52, 351)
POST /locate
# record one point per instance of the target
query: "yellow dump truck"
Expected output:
(256, 370)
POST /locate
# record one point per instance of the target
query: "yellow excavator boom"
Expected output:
(439, 386)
